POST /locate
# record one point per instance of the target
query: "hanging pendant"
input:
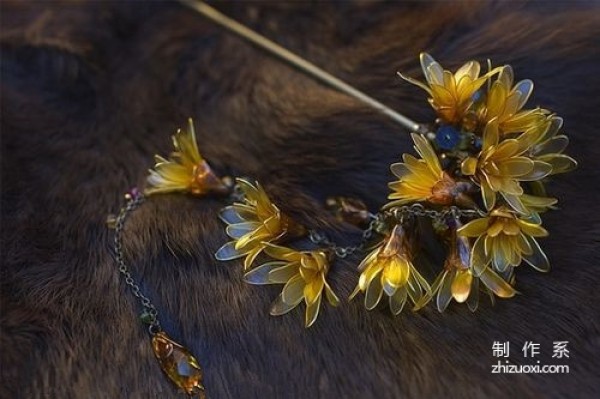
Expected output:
(178, 364)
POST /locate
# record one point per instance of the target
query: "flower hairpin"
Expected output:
(477, 177)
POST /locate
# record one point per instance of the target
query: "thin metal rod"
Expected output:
(298, 61)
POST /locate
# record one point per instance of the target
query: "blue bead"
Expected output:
(447, 137)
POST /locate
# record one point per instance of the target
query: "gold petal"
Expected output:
(469, 166)
(313, 289)
(312, 312)
(474, 228)
(534, 230)
(496, 284)
(461, 285)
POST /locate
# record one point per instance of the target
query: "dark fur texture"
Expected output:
(91, 91)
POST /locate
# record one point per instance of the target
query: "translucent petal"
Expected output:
(473, 299)
(260, 275)
(525, 87)
(445, 293)
(280, 307)
(539, 171)
(332, 298)
(506, 76)
(538, 259)
(373, 293)
(517, 166)
(488, 195)
(282, 274)
(312, 312)
(282, 253)
(238, 230)
(228, 252)
(532, 229)
(230, 216)
(515, 203)
(431, 69)
(397, 301)
(555, 145)
(293, 291)
(479, 258)
(491, 135)
(496, 284)
(559, 163)
(399, 170)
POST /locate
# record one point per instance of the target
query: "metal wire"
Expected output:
(299, 62)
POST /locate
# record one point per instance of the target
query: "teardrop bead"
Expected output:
(178, 364)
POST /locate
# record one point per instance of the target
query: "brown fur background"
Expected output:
(92, 90)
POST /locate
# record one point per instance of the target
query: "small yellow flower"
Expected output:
(421, 179)
(501, 165)
(504, 240)
(253, 224)
(304, 275)
(389, 269)
(451, 95)
(185, 170)
(457, 281)
(505, 102)
(547, 146)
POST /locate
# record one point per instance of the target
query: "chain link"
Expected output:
(420, 210)
(319, 238)
(398, 213)
(133, 202)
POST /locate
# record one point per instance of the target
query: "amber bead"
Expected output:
(178, 364)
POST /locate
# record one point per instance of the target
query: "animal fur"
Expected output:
(91, 91)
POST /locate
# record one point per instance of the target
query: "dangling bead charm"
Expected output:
(178, 364)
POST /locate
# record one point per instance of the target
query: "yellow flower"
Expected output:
(253, 224)
(421, 179)
(303, 274)
(504, 240)
(546, 145)
(389, 269)
(185, 170)
(451, 95)
(457, 281)
(501, 165)
(505, 102)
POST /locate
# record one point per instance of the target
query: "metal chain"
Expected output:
(398, 213)
(133, 201)
(319, 238)
(420, 210)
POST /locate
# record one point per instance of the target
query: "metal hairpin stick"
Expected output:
(298, 62)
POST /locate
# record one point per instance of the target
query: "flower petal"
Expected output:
(260, 275)
(496, 284)
(280, 307)
(312, 312)
(474, 228)
(538, 259)
(373, 293)
(228, 252)
(293, 291)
